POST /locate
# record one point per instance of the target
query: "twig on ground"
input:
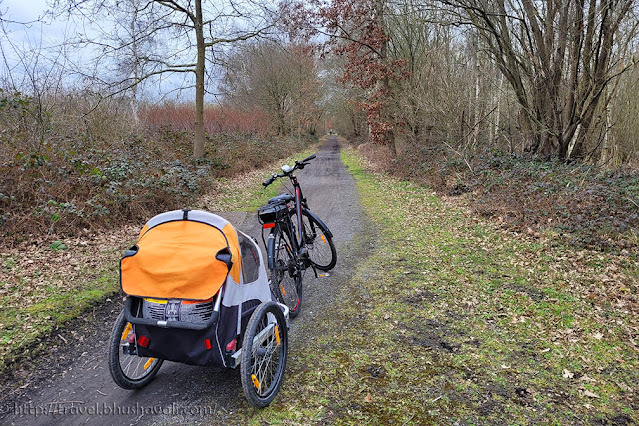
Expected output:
(630, 199)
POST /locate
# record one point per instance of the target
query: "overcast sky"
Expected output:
(23, 10)
(31, 40)
(39, 28)
(41, 32)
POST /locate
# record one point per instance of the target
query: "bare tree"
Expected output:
(33, 73)
(190, 33)
(559, 56)
(133, 34)
(280, 79)
(442, 98)
(621, 144)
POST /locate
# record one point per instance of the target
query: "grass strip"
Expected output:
(453, 320)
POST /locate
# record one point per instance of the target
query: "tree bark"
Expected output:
(476, 100)
(497, 127)
(387, 116)
(198, 144)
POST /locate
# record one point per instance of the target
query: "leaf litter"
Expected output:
(518, 327)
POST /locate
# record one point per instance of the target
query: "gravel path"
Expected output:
(72, 385)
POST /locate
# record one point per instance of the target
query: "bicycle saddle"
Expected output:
(281, 199)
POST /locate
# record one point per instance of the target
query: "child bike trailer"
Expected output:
(197, 293)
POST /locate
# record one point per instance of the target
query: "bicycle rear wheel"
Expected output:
(286, 278)
(319, 243)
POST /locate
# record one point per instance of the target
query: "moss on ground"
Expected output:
(453, 320)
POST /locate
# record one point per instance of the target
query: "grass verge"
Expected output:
(245, 192)
(453, 320)
(42, 288)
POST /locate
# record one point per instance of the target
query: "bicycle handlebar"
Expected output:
(298, 165)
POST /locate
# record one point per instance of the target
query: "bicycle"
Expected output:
(298, 239)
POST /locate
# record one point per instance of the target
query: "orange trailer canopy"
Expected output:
(175, 257)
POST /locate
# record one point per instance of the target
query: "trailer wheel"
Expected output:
(129, 371)
(264, 352)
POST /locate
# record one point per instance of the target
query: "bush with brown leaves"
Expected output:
(101, 169)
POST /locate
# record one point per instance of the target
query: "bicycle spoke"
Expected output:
(265, 364)
(285, 275)
(135, 366)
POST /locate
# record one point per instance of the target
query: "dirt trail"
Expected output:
(73, 386)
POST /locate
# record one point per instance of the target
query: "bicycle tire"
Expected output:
(264, 353)
(286, 278)
(320, 245)
(129, 371)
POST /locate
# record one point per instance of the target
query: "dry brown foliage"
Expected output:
(63, 171)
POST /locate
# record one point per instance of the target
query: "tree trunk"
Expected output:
(389, 136)
(198, 143)
(497, 130)
(477, 107)
(136, 75)
(607, 150)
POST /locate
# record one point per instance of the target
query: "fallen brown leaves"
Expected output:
(601, 277)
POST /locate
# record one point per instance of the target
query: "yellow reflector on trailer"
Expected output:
(160, 301)
(256, 382)
(126, 331)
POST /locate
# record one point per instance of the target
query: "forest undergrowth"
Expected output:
(80, 186)
(582, 204)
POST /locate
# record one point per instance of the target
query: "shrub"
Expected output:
(586, 205)
(103, 170)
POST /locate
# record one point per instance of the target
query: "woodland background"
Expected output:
(526, 109)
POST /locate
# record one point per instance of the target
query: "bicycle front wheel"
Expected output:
(318, 242)
(286, 277)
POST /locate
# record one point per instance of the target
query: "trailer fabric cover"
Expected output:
(176, 258)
